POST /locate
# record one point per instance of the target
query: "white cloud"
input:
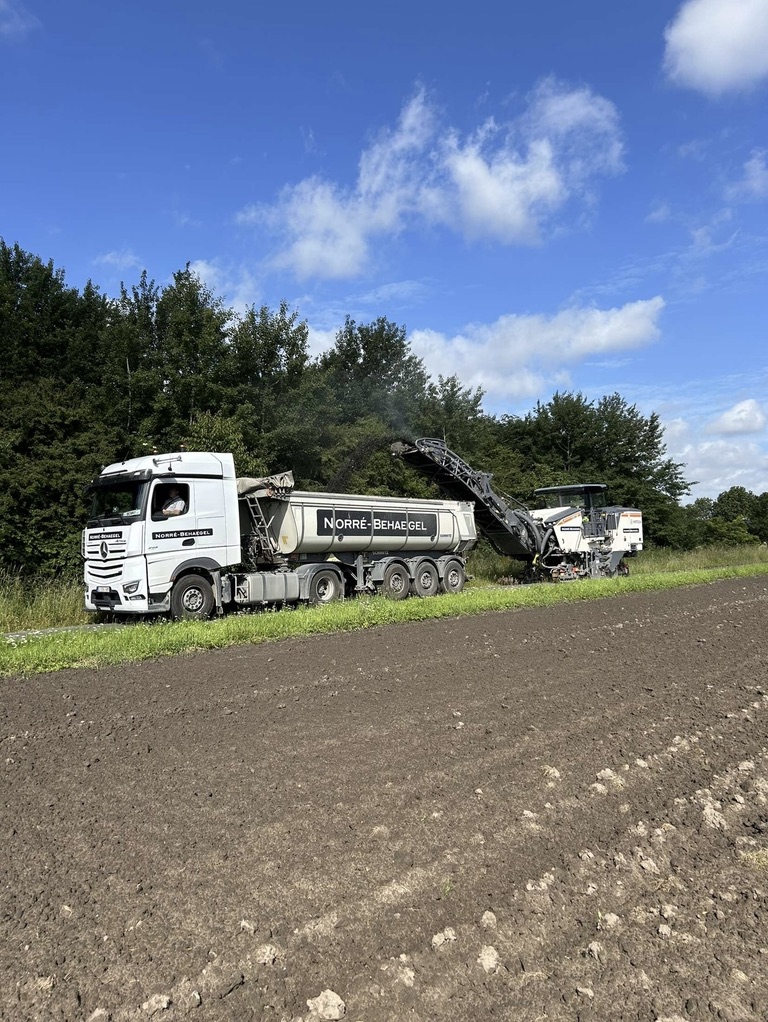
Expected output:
(503, 196)
(15, 20)
(395, 293)
(696, 149)
(504, 182)
(123, 259)
(182, 219)
(718, 46)
(744, 417)
(584, 126)
(687, 408)
(325, 229)
(320, 341)
(703, 241)
(716, 465)
(754, 183)
(237, 287)
(659, 214)
(520, 356)
(308, 136)
(387, 167)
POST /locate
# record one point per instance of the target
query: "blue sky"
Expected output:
(548, 197)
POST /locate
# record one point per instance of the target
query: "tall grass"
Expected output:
(488, 567)
(32, 602)
(721, 555)
(96, 648)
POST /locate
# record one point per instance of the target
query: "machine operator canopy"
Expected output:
(586, 495)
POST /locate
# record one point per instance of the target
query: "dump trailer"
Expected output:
(575, 535)
(181, 534)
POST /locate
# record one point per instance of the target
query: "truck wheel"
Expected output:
(454, 578)
(426, 581)
(324, 587)
(396, 583)
(192, 599)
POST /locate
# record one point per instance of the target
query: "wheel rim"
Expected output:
(397, 582)
(426, 582)
(453, 579)
(193, 599)
(325, 590)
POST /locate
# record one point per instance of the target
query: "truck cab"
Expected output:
(135, 552)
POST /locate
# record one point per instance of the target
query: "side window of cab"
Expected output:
(169, 500)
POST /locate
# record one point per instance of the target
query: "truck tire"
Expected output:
(454, 578)
(426, 581)
(324, 587)
(192, 599)
(396, 583)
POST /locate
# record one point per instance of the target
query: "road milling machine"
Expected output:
(574, 536)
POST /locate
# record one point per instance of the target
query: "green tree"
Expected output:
(733, 531)
(213, 431)
(191, 345)
(133, 364)
(571, 439)
(734, 503)
(54, 431)
(452, 413)
(36, 314)
(371, 370)
(690, 528)
(759, 520)
(50, 447)
(358, 458)
(264, 382)
(738, 504)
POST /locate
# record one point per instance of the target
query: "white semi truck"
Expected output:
(245, 543)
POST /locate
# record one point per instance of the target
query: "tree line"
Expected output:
(87, 380)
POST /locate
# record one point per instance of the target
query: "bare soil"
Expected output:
(557, 814)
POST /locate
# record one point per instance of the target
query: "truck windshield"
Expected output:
(119, 502)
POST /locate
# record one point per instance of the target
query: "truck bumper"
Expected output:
(114, 601)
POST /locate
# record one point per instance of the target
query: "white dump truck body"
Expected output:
(332, 523)
(253, 541)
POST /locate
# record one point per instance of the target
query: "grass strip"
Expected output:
(103, 646)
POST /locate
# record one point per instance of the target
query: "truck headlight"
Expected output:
(131, 587)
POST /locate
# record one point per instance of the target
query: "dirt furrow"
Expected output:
(521, 815)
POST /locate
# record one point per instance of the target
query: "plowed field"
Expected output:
(557, 814)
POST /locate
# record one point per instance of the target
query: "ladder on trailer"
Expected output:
(262, 546)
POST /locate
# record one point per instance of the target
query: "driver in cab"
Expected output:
(175, 504)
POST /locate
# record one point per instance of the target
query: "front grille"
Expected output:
(106, 570)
